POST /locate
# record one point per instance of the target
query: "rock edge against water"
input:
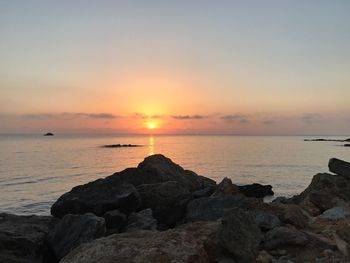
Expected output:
(160, 212)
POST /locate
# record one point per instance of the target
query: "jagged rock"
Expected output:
(225, 187)
(73, 230)
(212, 208)
(266, 221)
(205, 192)
(142, 220)
(325, 191)
(240, 235)
(22, 238)
(256, 190)
(97, 197)
(283, 236)
(168, 201)
(339, 167)
(115, 219)
(294, 215)
(188, 243)
(336, 213)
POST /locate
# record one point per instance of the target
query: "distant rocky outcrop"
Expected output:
(327, 140)
(49, 134)
(120, 145)
(160, 212)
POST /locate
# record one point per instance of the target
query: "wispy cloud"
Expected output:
(145, 116)
(235, 118)
(268, 122)
(309, 118)
(190, 117)
(70, 115)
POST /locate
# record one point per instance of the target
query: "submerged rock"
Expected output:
(73, 230)
(256, 190)
(240, 235)
(22, 238)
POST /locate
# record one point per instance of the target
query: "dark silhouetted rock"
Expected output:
(188, 243)
(294, 215)
(256, 190)
(97, 197)
(225, 187)
(168, 200)
(284, 236)
(142, 220)
(240, 235)
(22, 238)
(212, 208)
(115, 219)
(264, 220)
(49, 134)
(347, 145)
(326, 140)
(205, 192)
(339, 167)
(120, 145)
(73, 230)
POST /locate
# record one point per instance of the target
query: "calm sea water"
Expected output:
(36, 170)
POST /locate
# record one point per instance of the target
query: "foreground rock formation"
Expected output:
(159, 212)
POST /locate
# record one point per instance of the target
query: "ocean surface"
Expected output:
(36, 170)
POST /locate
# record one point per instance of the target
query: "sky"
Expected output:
(184, 67)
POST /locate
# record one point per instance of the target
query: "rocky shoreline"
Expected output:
(159, 212)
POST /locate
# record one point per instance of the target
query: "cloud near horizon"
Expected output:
(190, 117)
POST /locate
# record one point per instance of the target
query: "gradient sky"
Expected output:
(233, 67)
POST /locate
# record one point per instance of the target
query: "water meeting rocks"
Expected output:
(339, 167)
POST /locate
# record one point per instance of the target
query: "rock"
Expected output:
(266, 221)
(205, 192)
(284, 236)
(120, 145)
(294, 215)
(115, 219)
(225, 187)
(240, 235)
(73, 230)
(49, 134)
(97, 197)
(142, 220)
(264, 257)
(339, 167)
(188, 243)
(168, 201)
(325, 191)
(346, 145)
(256, 190)
(336, 213)
(212, 208)
(22, 238)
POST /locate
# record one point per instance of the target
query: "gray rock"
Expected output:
(142, 220)
(73, 230)
(115, 219)
(168, 201)
(205, 192)
(225, 187)
(339, 167)
(97, 197)
(188, 243)
(284, 236)
(294, 215)
(240, 235)
(212, 208)
(336, 213)
(22, 238)
(256, 190)
(266, 221)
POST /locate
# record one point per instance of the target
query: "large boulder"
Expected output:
(225, 187)
(115, 219)
(73, 230)
(142, 220)
(168, 201)
(97, 197)
(324, 192)
(256, 190)
(339, 167)
(189, 243)
(280, 237)
(212, 208)
(240, 235)
(22, 238)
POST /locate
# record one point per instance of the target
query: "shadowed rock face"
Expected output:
(339, 167)
(256, 190)
(22, 238)
(118, 190)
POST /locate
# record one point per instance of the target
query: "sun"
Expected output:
(151, 125)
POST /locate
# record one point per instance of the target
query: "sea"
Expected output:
(35, 170)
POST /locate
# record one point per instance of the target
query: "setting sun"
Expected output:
(151, 125)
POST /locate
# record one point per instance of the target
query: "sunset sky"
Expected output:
(207, 67)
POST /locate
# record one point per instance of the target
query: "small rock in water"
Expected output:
(49, 134)
(256, 190)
